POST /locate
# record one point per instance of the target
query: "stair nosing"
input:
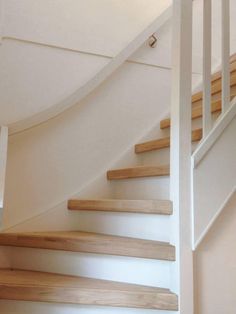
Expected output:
(38, 286)
(162, 143)
(159, 207)
(141, 172)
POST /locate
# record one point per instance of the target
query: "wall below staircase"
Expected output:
(215, 264)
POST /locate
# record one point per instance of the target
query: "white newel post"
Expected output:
(181, 153)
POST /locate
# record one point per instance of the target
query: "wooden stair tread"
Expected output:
(197, 108)
(217, 75)
(216, 87)
(161, 207)
(88, 242)
(163, 143)
(48, 287)
(138, 172)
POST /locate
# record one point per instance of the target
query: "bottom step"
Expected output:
(48, 287)
(26, 307)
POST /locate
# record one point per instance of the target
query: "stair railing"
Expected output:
(225, 49)
(181, 127)
(215, 154)
(3, 163)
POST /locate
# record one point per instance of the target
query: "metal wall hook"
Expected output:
(152, 41)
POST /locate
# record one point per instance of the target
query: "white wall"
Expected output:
(50, 50)
(36, 77)
(96, 26)
(215, 263)
(55, 160)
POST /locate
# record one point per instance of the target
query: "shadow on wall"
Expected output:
(215, 266)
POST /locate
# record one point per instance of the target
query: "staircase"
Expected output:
(38, 286)
(45, 265)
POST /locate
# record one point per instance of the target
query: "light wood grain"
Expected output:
(163, 143)
(91, 243)
(196, 113)
(197, 107)
(48, 287)
(215, 87)
(216, 76)
(163, 207)
(138, 172)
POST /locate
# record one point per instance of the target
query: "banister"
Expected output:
(212, 185)
(100, 77)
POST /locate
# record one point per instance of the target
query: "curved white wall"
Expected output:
(50, 49)
(51, 162)
(36, 77)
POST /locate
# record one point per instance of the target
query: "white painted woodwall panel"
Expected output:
(210, 192)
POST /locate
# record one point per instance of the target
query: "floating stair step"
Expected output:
(48, 287)
(160, 207)
(163, 143)
(138, 172)
(87, 242)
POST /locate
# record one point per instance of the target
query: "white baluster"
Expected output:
(225, 55)
(207, 40)
(3, 160)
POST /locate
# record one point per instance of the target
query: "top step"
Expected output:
(216, 87)
(196, 113)
(216, 95)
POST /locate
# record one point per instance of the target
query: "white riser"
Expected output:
(17, 307)
(152, 227)
(124, 269)
(158, 157)
(142, 188)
